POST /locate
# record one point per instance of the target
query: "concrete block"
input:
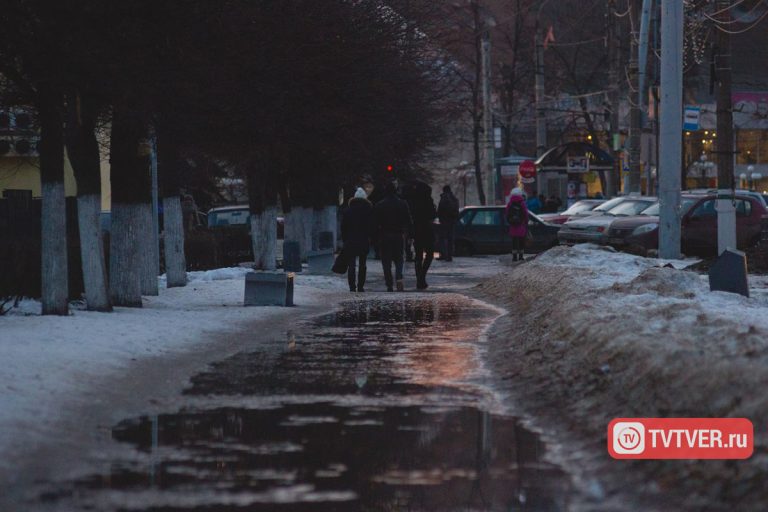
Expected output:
(320, 262)
(291, 256)
(729, 273)
(269, 289)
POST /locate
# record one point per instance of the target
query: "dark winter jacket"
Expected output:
(448, 208)
(391, 216)
(423, 212)
(357, 225)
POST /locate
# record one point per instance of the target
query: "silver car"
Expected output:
(595, 227)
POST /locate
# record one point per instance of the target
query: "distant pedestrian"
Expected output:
(448, 214)
(553, 204)
(517, 217)
(392, 222)
(423, 212)
(534, 205)
(356, 232)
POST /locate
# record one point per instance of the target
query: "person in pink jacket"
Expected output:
(516, 214)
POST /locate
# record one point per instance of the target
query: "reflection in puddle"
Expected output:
(404, 425)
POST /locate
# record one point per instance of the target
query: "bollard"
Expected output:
(268, 289)
(729, 273)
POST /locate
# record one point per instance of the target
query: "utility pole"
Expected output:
(726, 211)
(155, 203)
(490, 165)
(642, 80)
(671, 128)
(611, 181)
(635, 114)
(541, 121)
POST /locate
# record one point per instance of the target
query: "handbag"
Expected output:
(341, 263)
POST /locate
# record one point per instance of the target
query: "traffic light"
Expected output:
(390, 168)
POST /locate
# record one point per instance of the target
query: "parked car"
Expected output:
(232, 231)
(594, 228)
(584, 208)
(741, 191)
(640, 234)
(237, 216)
(484, 230)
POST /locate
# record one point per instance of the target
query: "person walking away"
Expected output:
(392, 221)
(356, 231)
(424, 213)
(517, 217)
(448, 214)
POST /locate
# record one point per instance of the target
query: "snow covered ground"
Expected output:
(595, 334)
(46, 360)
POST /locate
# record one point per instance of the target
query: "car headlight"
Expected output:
(645, 228)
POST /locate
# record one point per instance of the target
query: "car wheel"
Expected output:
(464, 248)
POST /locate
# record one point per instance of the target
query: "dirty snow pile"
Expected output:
(47, 360)
(594, 334)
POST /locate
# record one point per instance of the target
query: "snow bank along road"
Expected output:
(51, 365)
(594, 334)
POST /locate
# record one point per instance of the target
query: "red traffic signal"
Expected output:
(390, 168)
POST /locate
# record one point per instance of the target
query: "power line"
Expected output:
(718, 27)
(721, 11)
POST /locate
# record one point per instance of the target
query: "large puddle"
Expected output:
(380, 406)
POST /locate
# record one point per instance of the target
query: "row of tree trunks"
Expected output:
(83, 152)
(55, 289)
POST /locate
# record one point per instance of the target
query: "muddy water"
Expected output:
(379, 406)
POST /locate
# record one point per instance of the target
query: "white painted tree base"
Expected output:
(173, 242)
(264, 239)
(92, 253)
(124, 259)
(55, 280)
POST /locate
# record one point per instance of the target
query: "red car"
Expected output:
(640, 234)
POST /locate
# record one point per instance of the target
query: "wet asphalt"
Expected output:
(382, 404)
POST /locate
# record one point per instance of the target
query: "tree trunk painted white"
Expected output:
(173, 242)
(147, 252)
(264, 239)
(330, 219)
(318, 221)
(124, 260)
(293, 228)
(307, 221)
(55, 285)
(92, 253)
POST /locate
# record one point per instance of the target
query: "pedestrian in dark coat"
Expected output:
(356, 232)
(423, 212)
(392, 222)
(516, 214)
(448, 214)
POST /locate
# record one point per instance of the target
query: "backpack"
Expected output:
(515, 214)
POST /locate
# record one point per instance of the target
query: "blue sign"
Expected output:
(691, 117)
